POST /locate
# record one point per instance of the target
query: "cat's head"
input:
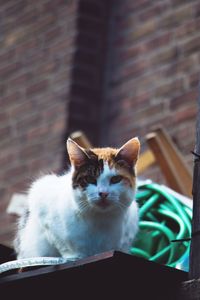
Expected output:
(104, 179)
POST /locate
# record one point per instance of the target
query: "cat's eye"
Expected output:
(90, 179)
(116, 179)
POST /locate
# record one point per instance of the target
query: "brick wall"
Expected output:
(51, 66)
(36, 47)
(152, 72)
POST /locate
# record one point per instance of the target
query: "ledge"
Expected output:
(110, 274)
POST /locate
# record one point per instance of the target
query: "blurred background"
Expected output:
(114, 69)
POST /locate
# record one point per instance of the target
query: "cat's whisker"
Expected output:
(83, 207)
(122, 206)
(91, 194)
(94, 198)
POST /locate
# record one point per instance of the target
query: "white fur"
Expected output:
(68, 222)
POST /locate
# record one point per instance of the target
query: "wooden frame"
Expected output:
(171, 162)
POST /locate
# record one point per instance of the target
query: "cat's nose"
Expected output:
(103, 195)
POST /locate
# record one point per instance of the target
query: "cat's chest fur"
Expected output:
(95, 234)
(81, 233)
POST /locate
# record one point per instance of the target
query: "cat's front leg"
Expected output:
(61, 244)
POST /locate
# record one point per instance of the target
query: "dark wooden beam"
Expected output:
(194, 272)
(110, 275)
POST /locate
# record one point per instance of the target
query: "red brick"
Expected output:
(10, 99)
(166, 89)
(37, 88)
(134, 70)
(20, 80)
(189, 97)
(197, 9)
(29, 17)
(16, 8)
(4, 117)
(185, 29)
(15, 174)
(176, 17)
(133, 6)
(47, 68)
(162, 40)
(179, 66)
(23, 124)
(37, 132)
(7, 56)
(52, 34)
(144, 30)
(190, 46)
(30, 151)
(63, 45)
(8, 71)
(165, 56)
(24, 48)
(186, 114)
(43, 24)
(178, 2)
(135, 51)
(5, 132)
(154, 11)
(131, 53)
(6, 159)
(139, 101)
(194, 80)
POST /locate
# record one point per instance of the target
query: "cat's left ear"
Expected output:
(77, 154)
(129, 152)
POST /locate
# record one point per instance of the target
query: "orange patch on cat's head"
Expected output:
(123, 159)
(107, 154)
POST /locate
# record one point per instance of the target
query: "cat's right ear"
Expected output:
(77, 154)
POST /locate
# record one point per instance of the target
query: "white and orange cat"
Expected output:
(88, 210)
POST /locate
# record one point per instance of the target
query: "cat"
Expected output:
(88, 210)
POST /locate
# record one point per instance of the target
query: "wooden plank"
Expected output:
(146, 159)
(172, 164)
(81, 139)
(177, 160)
(166, 164)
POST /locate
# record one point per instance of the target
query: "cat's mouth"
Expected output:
(103, 203)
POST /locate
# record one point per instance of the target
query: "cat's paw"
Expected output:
(71, 258)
